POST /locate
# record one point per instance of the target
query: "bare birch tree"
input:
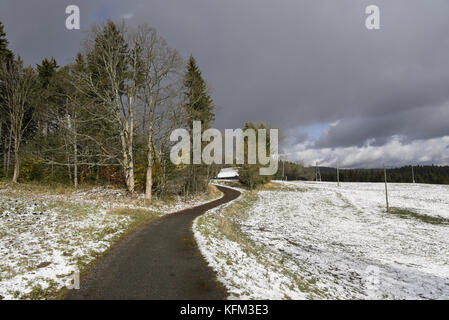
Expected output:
(19, 86)
(161, 67)
(112, 81)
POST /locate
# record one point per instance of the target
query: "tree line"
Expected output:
(432, 174)
(422, 174)
(290, 170)
(107, 116)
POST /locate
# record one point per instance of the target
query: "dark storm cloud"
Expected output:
(418, 123)
(290, 62)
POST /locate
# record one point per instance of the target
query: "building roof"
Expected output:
(228, 173)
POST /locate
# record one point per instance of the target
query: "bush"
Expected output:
(31, 169)
(250, 177)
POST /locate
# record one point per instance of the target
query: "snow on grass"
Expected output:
(237, 262)
(42, 243)
(110, 197)
(336, 242)
(45, 237)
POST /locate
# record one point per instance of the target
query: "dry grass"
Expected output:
(213, 192)
(270, 186)
(228, 221)
(108, 195)
(410, 214)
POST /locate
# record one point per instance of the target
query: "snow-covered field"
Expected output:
(319, 241)
(45, 238)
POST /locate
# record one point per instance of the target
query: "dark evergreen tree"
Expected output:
(198, 103)
(49, 100)
(7, 58)
(199, 107)
(46, 71)
(5, 54)
(110, 48)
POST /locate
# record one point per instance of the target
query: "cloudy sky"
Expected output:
(310, 67)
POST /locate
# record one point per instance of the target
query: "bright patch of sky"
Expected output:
(316, 130)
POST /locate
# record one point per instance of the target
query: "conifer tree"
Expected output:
(6, 57)
(46, 71)
(199, 107)
(198, 103)
(5, 53)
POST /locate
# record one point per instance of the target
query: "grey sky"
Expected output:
(310, 67)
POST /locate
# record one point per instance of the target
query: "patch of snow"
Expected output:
(239, 271)
(43, 241)
(340, 242)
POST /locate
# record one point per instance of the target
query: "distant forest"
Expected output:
(423, 174)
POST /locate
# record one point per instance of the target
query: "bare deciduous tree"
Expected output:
(19, 85)
(112, 81)
(161, 66)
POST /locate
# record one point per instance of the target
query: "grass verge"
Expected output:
(140, 218)
(411, 214)
(228, 224)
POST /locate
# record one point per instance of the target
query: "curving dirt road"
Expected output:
(159, 261)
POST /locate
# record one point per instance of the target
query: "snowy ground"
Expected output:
(319, 241)
(45, 237)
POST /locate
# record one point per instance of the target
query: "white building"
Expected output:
(228, 173)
